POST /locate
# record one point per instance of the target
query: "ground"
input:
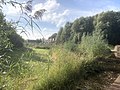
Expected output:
(39, 61)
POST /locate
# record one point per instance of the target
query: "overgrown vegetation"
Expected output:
(80, 55)
(108, 22)
(64, 70)
(94, 45)
(69, 68)
(9, 39)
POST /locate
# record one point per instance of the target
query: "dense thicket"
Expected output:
(9, 39)
(107, 22)
(8, 33)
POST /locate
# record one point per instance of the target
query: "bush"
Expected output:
(94, 45)
(71, 46)
(8, 39)
(16, 40)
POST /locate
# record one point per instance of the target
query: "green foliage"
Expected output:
(70, 46)
(64, 33)
(59, 36)
(28, 68)
(8, 39)
(5, 44)
(40, 71)
(16, 40)
(8, 33)
(35, 70)
(67, 69)
(70, 71)
(94, 45)
(109, 22)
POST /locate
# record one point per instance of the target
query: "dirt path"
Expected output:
(115, 85)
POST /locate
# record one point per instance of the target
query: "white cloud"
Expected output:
(48, 5)
(52, 14)
(10, 10)
(46, 32)
(77, 13)
(56, 18)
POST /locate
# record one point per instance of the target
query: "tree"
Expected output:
(108, 22)
(59, 35)
(65, 35)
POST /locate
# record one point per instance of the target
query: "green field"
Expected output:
(78, 57)
(36, 69)
(30, 67)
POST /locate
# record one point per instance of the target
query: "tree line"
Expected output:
(106, 22)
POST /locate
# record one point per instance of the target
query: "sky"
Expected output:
(58, 12)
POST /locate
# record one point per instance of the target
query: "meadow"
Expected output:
(78, 58)
(60, 68)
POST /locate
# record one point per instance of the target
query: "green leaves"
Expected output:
(94, 45)
(108, 22)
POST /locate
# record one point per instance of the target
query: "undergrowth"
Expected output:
(59, 69)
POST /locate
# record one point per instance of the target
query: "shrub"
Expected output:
(94, 45)
(8, 39)
(16, 40)
(71, 46)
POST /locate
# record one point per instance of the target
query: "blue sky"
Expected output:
(59, 12)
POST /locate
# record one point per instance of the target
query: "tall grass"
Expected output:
(29, 68)
(61, 72)
(70, 67)
(60, 69)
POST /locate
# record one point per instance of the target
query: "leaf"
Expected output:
(38, 28)
(24, 30)
(24, 33)
(26, 20)
(31, 24)
(37, 25)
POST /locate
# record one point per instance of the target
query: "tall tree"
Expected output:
(107, 22)
(59, 35)
(66, 32)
